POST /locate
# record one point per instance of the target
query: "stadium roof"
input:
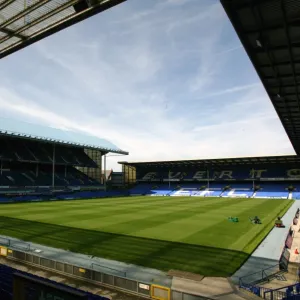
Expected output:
(270, 32)
(23, 22)
(19, 129)
(290, 159)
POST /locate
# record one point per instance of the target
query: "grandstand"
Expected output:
(60, 164)
(250, 177)
(37, 161)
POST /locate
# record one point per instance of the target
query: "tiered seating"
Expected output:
(36, 152)
(187, 189)
(282, 195)
(241, 186)
(238, 193)
(239, 190)
(29, 163)
(242, 172)
(6, 284)
(181, 193)
(209, 193)
(162, 189)
(152, 189)
(18, 178)
(83, 178)
(213, 189)
(5, 181)
(192, 186)
(296, 195)
(89, 195)
(141, 189)
(274, 187)
(33, 151)
(205, 193)
(58, 195)
(27, 176)
(216, 185)
(269, 190)
(5, 153)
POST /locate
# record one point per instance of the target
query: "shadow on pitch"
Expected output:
(152, 253)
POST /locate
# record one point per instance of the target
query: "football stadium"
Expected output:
(168, 230)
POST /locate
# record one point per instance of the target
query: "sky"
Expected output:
(161, 79)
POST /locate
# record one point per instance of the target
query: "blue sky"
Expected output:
(162, 79)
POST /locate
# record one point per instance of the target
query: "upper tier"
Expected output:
(13, 149)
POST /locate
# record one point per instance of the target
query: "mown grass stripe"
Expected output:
(186, 233)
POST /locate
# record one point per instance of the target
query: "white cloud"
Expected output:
(231, 90)
(156, 82)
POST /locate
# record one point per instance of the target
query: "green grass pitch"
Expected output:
(183, 233)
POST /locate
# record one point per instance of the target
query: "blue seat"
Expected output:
(271, 194)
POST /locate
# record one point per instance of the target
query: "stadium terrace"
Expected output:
(262, 177)
(217, 228)
(38, 161)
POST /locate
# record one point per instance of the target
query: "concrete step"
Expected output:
(247, 295)
(291, 276)
(293, 267)
(281, 281)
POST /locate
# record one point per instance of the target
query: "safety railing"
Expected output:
(254, 289)
(99, 267)
(251, 282)
(287, 292)
(15, 244)
(95, 273)
(263, 275)
(106, 277)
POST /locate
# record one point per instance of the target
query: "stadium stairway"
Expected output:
(211, 193)
(210, 288)
(223, 194)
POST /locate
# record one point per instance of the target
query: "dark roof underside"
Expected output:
(290, 159)
(270, 32)
(19, 129)
(23, 22)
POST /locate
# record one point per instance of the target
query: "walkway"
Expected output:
(99, 264)
(210, 288)
(205, 287)
(289, 278)
(269, 251)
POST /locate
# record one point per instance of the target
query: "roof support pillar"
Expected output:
(208, 178)
(53, 167)
(104, 172)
